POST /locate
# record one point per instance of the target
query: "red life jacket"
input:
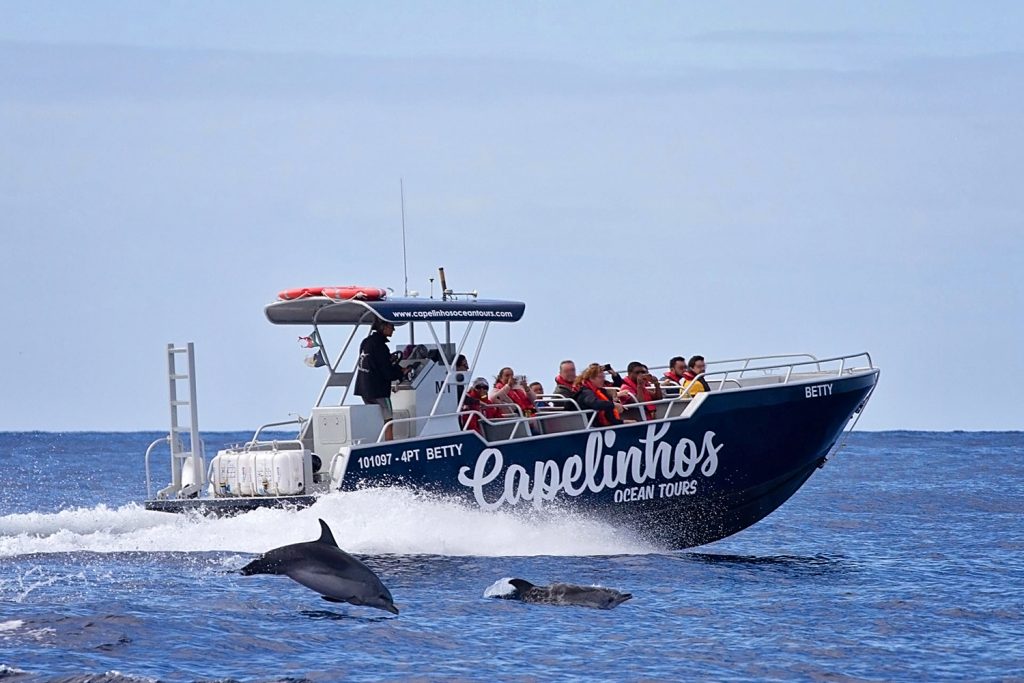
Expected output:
(519, 397)
(485, 407)
(560, 381)
(689, 375)
(602, 417)
(640, 394)
(674, 377)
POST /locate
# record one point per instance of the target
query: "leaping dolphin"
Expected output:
(324, 567)
(557, 594)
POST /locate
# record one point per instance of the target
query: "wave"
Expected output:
(371, 521)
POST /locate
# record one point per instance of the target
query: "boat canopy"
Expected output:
(320, 310)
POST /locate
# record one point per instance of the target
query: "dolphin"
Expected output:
(557, 594)
(324, 567)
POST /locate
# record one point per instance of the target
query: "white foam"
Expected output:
(12, 625)
(10, 671)
(372, 521)
(500, 588)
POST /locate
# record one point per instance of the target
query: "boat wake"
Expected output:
(372, 521)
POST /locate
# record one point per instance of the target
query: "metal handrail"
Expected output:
(519, 419)
(179, 455)
(255, 437)
(557, 398)
(539, 419)
(746, 361)
(673, 399)
(149, 485)
(402, 420)
(814, 361)
(787, 366)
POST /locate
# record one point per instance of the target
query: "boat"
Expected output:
(693, 470)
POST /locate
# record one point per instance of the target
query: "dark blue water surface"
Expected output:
(902, 559)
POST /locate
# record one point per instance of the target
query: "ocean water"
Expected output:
(902, 559)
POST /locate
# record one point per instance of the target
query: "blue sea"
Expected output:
(902, 559)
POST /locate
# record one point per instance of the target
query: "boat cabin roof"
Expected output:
(321, 310)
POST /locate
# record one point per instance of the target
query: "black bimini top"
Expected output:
(324, 311)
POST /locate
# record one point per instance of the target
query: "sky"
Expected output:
(653, 179)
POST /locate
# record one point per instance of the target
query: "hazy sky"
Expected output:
(651, 178)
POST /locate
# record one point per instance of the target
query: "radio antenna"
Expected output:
(405, 259)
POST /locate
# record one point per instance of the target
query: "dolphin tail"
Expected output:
(521, 585)
(325, 535)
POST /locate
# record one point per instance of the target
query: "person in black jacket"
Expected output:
(376, 371)
(592, 395)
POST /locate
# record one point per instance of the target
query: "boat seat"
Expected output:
(673, 409)
(563, 422)
(501, 430)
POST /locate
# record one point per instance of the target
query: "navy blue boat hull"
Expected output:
(678, 482)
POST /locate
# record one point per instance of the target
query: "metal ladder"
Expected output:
(196, 474)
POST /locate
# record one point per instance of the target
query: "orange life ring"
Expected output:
(299, 293)
(354, 292)
(336, 293)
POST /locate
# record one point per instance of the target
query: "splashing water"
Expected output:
(372, 521)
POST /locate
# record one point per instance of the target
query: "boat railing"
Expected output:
(174, 455)
(254, 442)
(747, 361)
(518, 420)
(721, 378)
(841, 361)
(149, 451)
(566, 403)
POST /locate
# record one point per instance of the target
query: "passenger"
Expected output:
(639, 386)
(476, 399)
(511, 390)
(537, 393)
(461, 365)
(676, 368)
(591, 395)
(616, 378)
(564, 383)
(376, 371)
(694, 369)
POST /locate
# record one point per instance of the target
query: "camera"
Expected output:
(607, 368)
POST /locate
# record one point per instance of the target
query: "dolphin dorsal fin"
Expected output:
(325, 535)
(521, 585)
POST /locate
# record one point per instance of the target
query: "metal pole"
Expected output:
(405, 261)
(198, 471)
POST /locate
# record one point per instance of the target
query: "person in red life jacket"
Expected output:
(476, 399)
(695, 367)
(511, 390)
(676, 368)
(639, 387)
(591, 395)
(565, 384)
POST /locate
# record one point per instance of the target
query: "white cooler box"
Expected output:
(261, 473)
